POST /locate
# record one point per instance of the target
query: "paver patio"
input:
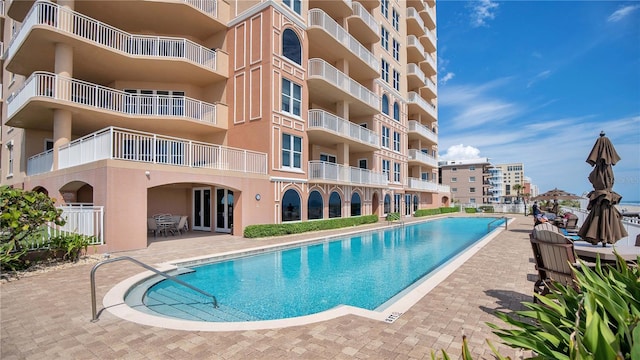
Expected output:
(47, 315)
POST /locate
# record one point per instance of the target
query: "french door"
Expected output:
(201, 209)
(224, 210)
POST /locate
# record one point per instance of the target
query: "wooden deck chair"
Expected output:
(553, 254)
(572, 223)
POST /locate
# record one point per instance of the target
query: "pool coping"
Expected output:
(114, 299)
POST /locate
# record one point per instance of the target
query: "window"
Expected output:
(335, 205)
(384, 73)
(386, 167)
(291, 206)
(10, 158)
(384, 38)
(472, 179)
(454, 179)
(396, 50)
(395, 19)
(293, 4)
(425, 176)
(472, 190)
(328, 158)
(291, 151)
(314, 206)
(356, 205)
(291, 97)
(48, 144)
(454, 169)
(472, 168)
(472, 200)
(387, 204)
(385, 104)
(454, 189)
(396, 202)
(396, 172)
(396, 80)
(291, 48)
(396, 111)
(416, 201)
(385, 137)
(362, 164)
(384, 8)
(396, 141)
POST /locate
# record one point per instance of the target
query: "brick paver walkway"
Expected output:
(47, 316)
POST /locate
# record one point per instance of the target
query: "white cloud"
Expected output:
(461, 152)
(541, 76)
(482, 11)
(622, 13)
(448, 76)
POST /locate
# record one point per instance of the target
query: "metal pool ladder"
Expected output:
(158, 272)
(500, 218)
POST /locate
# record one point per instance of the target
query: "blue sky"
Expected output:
(536, 81)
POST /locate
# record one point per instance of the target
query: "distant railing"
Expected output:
(68, 21)
(419, 184)
(63, 88)
(361, 12)
(424, 104)
(325, 120)
(124, 144)
(412, 40)
(415, 154)
(413, 14)
(322, 170)
(209, 7)
(414, 125)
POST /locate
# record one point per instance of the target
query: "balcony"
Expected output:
(415, 50)
(418, 156)
(421, 106)
(429, 66)
(417, 130)
(205, 17)
(425, 185)
(130, 145)
(419, 5)
(102, 53)
(429, 89)
(415, 78)
(328, 129)
(336, 8)
(429, 41)
(333, 43)
(322, 172)
(415, 25)
(362, 25)
(95, 107)
(328, 86)
(429, 17)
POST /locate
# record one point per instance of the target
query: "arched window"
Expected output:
(356, 205)
(387, 204)
(314, 206)
(415, 203)
(291, 48)
(291, 206)
(385, 104)
(396, 111)
(335, 205)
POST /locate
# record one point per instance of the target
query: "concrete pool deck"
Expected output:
(48, 315)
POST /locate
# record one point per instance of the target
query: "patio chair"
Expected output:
(572, 223)
(553, 254)
(152, 226)
(179, 226)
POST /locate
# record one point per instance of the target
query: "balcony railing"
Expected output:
(68, 21)
(42, 84)
(412, 40)
(431, 85)
(319, 67)
(413, 14)
(209, 7)
(423, 130)
(124, 144)
(321, 170)
(319, 18)
(424, 104)
(360, 11)
(418, 155)
(40, 163)
(431, 36)
(413, 69)
(418, 184)
(430, 60)
(327, 121)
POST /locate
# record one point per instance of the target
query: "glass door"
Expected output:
(224, 210)
(407, 204)
(201, 209)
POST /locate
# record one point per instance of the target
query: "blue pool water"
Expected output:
(364, 270)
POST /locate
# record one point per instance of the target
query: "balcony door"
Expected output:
(201, 209)
(224, 210)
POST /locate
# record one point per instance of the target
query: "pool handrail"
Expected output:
(94, 313)
(500, 218)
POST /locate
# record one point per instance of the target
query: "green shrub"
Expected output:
(436, 211)
(470, 210)
(70, 245)
(267, 230)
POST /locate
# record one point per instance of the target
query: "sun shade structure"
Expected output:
(604, 222)
(556, 194)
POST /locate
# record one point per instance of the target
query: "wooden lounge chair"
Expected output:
(571, 224)
(553, 254)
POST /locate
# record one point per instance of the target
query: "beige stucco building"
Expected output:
(230, 112)
(468, 180)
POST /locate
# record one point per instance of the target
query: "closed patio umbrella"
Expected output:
(604, 222)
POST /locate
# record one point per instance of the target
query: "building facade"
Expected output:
(513, 174)
(230, 112)
(469, 180)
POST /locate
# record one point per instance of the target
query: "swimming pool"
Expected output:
(367, 271)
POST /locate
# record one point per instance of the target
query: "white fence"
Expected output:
(83, 219)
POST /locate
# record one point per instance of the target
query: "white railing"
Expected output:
(361, 12)
(327, 121)
(412, 40)
(424, 104)
(322, 69)
(209, 7)
(423, 130)
(131, 145)
(412, 13)
(430, 35)
(430, 60)
(432, 13)
(419, 184)
(415, 154)
(322, 170)
(431, 85)
(40, 163)
(319, 18)
(83, 219)
(97, 96)
(68, 21)
(413, 69)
